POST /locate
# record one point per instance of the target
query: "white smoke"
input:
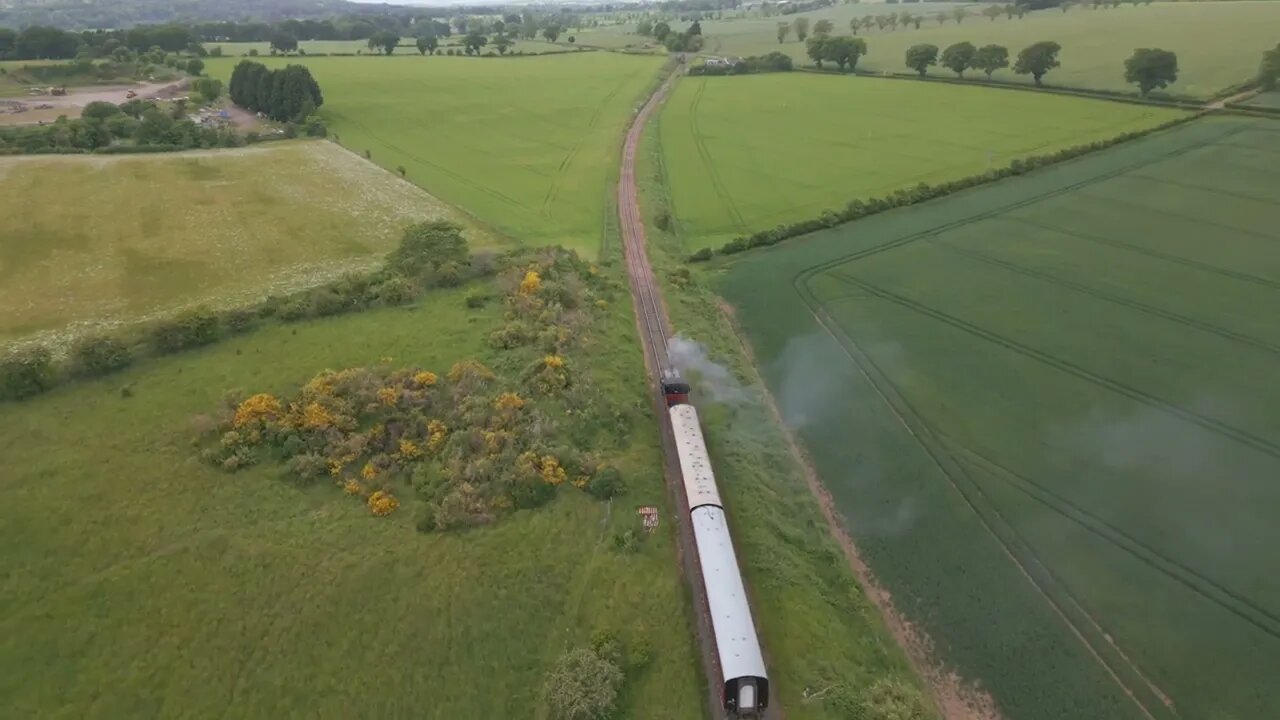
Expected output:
(691, 359)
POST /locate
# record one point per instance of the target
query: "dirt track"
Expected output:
(653, 324)
(79, 97)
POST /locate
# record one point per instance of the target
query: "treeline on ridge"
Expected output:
(289, 94)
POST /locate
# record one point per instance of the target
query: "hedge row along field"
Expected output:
(141, 578)
(97, 241)
(528, 146)
(1074, 370)
(735, 166)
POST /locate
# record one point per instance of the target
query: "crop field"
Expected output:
(736, 165)
(528, 145)
(140, 581)
(108, 239)
(1052, 401)
(1218, 44)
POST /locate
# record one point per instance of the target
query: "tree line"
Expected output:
(290, 94)
(136, 126)
(688, 41)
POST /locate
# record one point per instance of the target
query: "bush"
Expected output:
(702, 255)
(626, 542)
(188, 330)
(606, 483)
(583, 686)
(97, 356)
(26, 373)
(477, 299)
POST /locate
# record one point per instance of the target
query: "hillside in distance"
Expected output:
(79, 14)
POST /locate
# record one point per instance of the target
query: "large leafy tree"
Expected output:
(991, 58)
(801, 27)
(959, 57)
(427, 43)
(1037, 59)
(284, 42)
(920, 57)
(844, 51)
(1151, 68)
(1269, 70)
(385, 41)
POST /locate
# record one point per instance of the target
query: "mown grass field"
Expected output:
(1218, 44)
(140, 581)
(109, 239)
(528, 145)
(1051, 401)
(736, 164)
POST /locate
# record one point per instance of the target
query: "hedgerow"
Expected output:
(922, 192)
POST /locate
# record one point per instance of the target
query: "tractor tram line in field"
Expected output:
(731, 655)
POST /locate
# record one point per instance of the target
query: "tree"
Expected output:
(844, 51)
(959, 57)
(991, 58)
(473, 42)
(920, 57)
(99, 110)
(429, 245)
(1037, 59)
(209, 88)
(994, 11)
(941, 18)
(645, 27)
(823, 28)
(1269, 70)
(801, 28)
(459, 24)
(1151, 68)
(8, 43)
(384, 40)
(854, 25)
(195, 66)
(501, 43)
(815, 48)
(660, 31)
(694, 29)
(584, 685)
(551, 32)
(284, 42)
(427, 43)
(46, 43)
(784, 29)
(959, 14)
(891, 20)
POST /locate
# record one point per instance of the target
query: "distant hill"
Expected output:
(92, 14)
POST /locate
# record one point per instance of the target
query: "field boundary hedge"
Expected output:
(27, 370)
(923, 192)
(1184, 102)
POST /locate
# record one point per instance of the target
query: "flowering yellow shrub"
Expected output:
(531, 283)
(369, 472)
(388, 396)
(553, 362)
(258, 408)
(551, 471)
(383, 503)
(352, 487)
(316, 417)
(425, 379)
(409, 450)
(437, 433)
(508, 401)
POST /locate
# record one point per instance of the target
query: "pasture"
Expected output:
(100, 240)
(140, 581)
(1218, 44)
(1052, 401)
(529, 146)
(735, 164)
(407, 46)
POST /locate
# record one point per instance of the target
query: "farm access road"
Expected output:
(653, 324)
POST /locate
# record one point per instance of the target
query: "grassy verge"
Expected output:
(141, 581)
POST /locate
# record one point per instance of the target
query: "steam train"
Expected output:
(744, 682)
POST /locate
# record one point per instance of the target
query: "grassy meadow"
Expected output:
(100, 240)
(140, 581)
(528, 145)
(408, 46)
(1051, 401)
(1218, 44)
(735, 164)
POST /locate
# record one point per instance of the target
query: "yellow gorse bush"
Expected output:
(258, 408)
(531, 283)
(383, 503)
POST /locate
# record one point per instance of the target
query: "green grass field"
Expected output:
(528, 145)
(102, 240)
(736, 164)
(1218, 44)
(1047, 407)
(1265, 100)
(407, 46)
(140, 581)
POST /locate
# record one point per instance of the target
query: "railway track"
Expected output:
(654, 328)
